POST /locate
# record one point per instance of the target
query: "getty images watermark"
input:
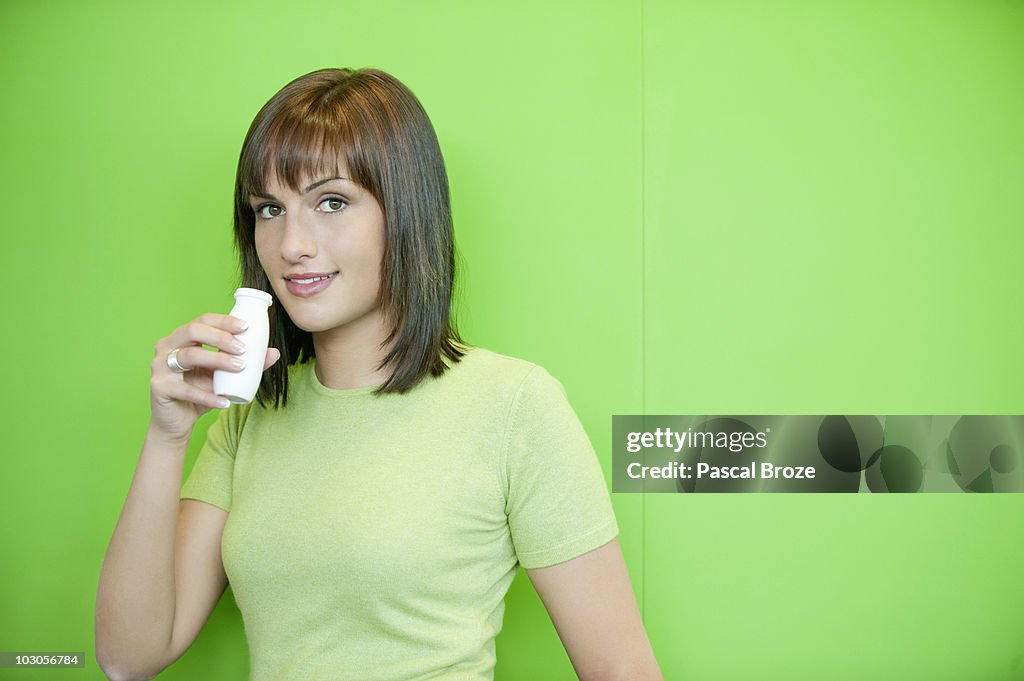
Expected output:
(830, 453)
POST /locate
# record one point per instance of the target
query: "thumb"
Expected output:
(273, 354)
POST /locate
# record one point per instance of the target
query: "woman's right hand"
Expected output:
(177, 400)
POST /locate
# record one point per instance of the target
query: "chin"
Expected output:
(311, 325)
(317, 324)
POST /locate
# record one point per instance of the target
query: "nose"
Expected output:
(299, 239)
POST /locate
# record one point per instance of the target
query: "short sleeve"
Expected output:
(213, 472)
(557, 500)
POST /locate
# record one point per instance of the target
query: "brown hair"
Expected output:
(375, 123)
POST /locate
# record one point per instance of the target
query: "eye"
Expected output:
(334, 204)
(268, 210)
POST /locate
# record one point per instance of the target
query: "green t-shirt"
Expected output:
(375, 537)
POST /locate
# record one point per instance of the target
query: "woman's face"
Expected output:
(322, 249)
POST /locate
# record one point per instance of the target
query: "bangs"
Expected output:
(292, 150)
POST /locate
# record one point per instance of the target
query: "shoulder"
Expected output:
(491, 372)
(485, 376)
(226, 430)
(481, 361)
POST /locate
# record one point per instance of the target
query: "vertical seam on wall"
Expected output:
(643, 308)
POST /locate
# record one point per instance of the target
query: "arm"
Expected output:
(163, 573)
(591, 603)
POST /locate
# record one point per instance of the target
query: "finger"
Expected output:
(223, 321)
(197, 357)
(184, 391)
(273, 354)
(211, 329)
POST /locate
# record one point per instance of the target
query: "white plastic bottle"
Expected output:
(241, 386)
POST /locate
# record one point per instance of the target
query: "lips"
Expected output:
(307, 284)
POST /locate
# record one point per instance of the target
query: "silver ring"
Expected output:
(172, 362)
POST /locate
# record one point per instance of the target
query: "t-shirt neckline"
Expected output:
(321, 389)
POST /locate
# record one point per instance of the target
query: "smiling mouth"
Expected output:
(310, 280)
(309, 284)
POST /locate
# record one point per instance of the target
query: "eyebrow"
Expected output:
(304, 191)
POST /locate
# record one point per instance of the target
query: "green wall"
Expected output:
(676, 207)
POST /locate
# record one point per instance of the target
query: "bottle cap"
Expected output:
(259, 295)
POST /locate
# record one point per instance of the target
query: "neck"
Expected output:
(348, 357)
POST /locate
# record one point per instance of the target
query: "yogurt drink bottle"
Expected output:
(241, 386)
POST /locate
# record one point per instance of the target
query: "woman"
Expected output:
(374, 502)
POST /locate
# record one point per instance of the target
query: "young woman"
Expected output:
(371, 507)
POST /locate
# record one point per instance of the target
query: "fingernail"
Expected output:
(225, 403)
(242, 324)
(238, 346)
(238, 362)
